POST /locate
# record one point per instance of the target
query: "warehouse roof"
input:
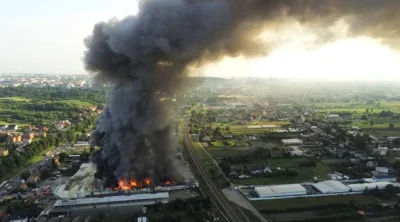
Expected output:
(292, 141)
(360, 186)
(331, 186)
(266, 190)
(110, 199)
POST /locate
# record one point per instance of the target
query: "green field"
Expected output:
(360, 200)
(76, 103)
(306, 174)
(220, 153)
(15, 99)
(393, 106)
(229, 143)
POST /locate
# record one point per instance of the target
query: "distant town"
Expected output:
(267, 149)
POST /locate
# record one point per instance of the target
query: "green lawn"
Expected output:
(33, 160)
(76, 102)
(312, 201)
(217, 143)
(219, 153)
(18, 99)
(306, 174)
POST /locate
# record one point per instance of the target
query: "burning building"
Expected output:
(148, 56)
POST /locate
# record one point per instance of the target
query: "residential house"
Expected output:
(382, 170)
(3, 152)
(371, 164)
(3, 127)
(381, 151)
(12, 127)
(260, 169)
(29, 136)
(385, 178)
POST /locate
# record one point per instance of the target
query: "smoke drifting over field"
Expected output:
(152, 53)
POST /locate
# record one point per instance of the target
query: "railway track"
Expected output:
(217, 197)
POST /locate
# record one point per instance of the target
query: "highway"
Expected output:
(229, 212)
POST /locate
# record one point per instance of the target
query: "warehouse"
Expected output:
(297, 142)
(110, 204)
(280, 190)
(331, 186)
(369, 186)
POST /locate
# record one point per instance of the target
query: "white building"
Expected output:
(292, 142)
(296, 151)
(110, 204)
(332, 117)
(331, 186)
(280, 190)
(369, 186)
(382, 170)
(381, 151)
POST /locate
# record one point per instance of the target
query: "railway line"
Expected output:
(229, 212)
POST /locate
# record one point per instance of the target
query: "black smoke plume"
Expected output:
(151, 53)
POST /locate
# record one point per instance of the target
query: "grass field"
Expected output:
(229, 143)
(17, 99)
(220, 153)
(360, 200)
(306, 174)
(393, 106)
(76, 103)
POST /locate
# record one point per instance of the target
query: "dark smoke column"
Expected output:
(141, 57)
(145, 55)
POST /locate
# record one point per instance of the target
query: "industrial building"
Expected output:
(280, 190)
(331, 186)
(295, 142)
(111, 204)
(369, 186)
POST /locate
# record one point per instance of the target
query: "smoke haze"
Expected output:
(151, 53)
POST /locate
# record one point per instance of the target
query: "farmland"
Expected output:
(304, 173)
(220, 153)
(312, 201)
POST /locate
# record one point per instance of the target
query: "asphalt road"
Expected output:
(229, 212)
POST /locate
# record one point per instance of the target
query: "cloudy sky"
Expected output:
(46, 36)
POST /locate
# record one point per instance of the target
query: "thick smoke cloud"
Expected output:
(151, 53)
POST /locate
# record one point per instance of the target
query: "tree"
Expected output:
(225, 167)
(371, 123)
(25, 175)
(367, 110)
(91, 149)
(364, 117)
(62, 157)
(71, 137)
(54, 165)
(391, 125)
(45, 173)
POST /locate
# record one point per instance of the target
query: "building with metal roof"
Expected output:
(280, 190)
(369, 186)
(331, 186)
(110, 204)
(292, 141)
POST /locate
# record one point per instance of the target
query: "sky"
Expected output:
(46, 36)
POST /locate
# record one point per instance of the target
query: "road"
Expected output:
(229, 212)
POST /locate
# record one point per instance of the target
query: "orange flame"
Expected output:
(122, 185)
(133, 183)
(147, 181)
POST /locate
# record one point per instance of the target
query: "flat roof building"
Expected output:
(369, 186)
(292, 141)
(280, 190)
(331, 186)
(111, 204)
